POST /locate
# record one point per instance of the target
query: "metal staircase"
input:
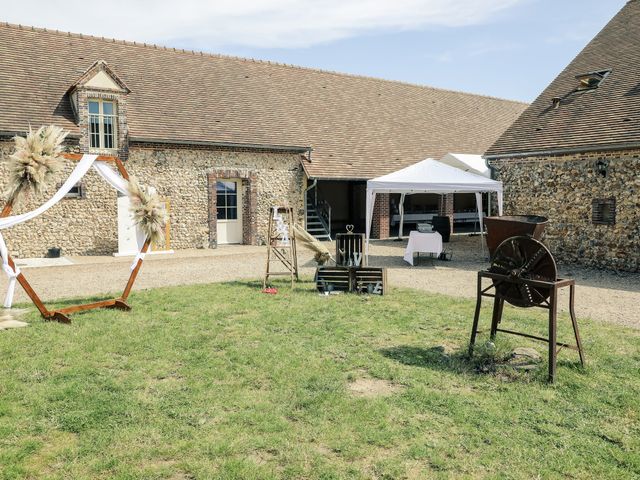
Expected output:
(318, 214)
(316, 225)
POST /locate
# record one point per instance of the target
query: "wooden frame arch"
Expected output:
(62, 315)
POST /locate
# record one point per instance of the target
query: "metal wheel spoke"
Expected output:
(534, 260)
(526, 259)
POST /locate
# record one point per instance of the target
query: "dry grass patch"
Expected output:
(373, 387)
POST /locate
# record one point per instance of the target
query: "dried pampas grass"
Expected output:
(35, 160)
(307, 240)
(148, 211)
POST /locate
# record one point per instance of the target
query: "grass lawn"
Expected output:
(222, 381)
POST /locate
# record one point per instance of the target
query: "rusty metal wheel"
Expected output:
(523, 258)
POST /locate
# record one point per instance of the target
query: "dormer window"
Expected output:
(591, 80)
(102, 124)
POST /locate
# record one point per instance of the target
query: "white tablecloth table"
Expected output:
(422, 242)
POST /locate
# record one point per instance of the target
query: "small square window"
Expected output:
(603, 211)
(77, 191)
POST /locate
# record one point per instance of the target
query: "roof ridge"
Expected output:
(254, 60)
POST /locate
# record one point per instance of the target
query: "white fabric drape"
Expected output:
(422, 242)
(12, 273)
(76, 175)
(112, 177)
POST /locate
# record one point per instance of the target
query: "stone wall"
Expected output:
(182, 176)
(88, 226)
(85, 226)
(563, 187)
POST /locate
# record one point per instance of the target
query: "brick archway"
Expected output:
(249, 205)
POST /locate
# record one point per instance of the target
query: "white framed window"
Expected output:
(227, 200)
(102, 124)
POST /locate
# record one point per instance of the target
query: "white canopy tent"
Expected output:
(468, 162)
(430, 176)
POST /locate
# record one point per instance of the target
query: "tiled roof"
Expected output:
(358, 127)
(604, 117)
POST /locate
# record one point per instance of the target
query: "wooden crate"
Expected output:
(338, 277)
(348, 247)
(371, 280)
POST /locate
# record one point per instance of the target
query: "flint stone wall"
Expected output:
(562, 188)
(88, 226)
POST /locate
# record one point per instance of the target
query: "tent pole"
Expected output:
(401, 229)
(479, 207)
(370, 202)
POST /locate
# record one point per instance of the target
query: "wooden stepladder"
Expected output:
(281, 245)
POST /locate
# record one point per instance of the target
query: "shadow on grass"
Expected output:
(305, 284)
(486, 360)
(433, 357)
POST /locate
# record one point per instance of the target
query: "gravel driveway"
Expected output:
(604, 296)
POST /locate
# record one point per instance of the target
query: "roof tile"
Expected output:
(359, 127)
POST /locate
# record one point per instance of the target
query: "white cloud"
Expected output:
(254, 23)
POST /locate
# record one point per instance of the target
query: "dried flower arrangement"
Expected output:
(37, 157)
(148, 210)
(307, 240)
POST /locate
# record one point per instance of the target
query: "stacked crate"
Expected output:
(351, 275)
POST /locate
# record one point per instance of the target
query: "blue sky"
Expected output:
(513, 55)
(505, 48)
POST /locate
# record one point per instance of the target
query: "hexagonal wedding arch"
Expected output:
(119, 180)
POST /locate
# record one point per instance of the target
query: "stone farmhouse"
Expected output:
(574, 154)
(223, 139)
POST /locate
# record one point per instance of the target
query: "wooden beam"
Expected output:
(134, 273)
(86, 306)
(58, 317)
(102, 158)
(123, 171)
(6, 211)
